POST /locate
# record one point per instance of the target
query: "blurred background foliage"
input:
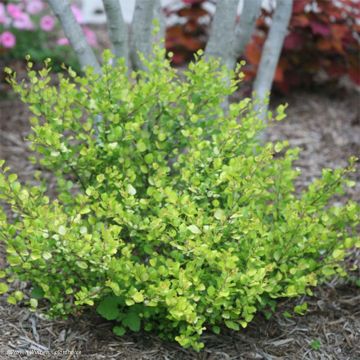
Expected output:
(322, 45)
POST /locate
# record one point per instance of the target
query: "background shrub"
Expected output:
(322, 44)
(168, 214)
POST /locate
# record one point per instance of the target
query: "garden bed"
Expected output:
(327, 128)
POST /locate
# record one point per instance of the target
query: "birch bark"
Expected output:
(243, 31)
(75, 34)
(270, 55)
(118, 29)
(221, 40)
(141, 31)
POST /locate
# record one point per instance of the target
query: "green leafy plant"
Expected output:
(168, 214)
(315, 344)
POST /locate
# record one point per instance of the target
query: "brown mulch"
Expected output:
(327, 128)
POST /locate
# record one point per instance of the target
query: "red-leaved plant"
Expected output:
(323, 39)
(322, 43)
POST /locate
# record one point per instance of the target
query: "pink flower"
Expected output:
(77, 13)
(63, 41)
(7, 39)
(47, 23)
(14, 11)
(23, 22)
(90, 36)
(34, 6)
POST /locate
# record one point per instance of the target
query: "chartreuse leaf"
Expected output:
(131, 190)
(138, 297)
(220, 214)
(3, 288)
(194, 229)
(11, 300)
(19, 295)
(34, 303)
(82, 264)
(301, 309)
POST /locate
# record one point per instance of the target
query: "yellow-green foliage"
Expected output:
(168, 214)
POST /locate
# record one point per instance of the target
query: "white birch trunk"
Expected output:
(243, 31)
(221, 41)
(270, 55)
(118, 29)
(75, 34)
(141, 31)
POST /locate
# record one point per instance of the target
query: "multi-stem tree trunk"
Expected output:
(118, 30)
(75, 34)
(270, 55)
(221, 42)
(227, 39)
(142, 31)
(250, 12)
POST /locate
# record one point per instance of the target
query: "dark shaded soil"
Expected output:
(327, 128)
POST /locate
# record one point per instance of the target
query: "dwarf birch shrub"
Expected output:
(168, 214)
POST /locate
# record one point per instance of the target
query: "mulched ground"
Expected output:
(327, 128)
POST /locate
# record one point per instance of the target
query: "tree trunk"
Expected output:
(243, 31)
(221, 41)
(118, 29)
(141, 31)
(270, 55)
(75, 34)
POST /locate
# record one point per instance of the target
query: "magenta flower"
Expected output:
(47, 23)
(14, 11)
(63, 41)
(7, 39)
(23, 22)
(34, 6)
